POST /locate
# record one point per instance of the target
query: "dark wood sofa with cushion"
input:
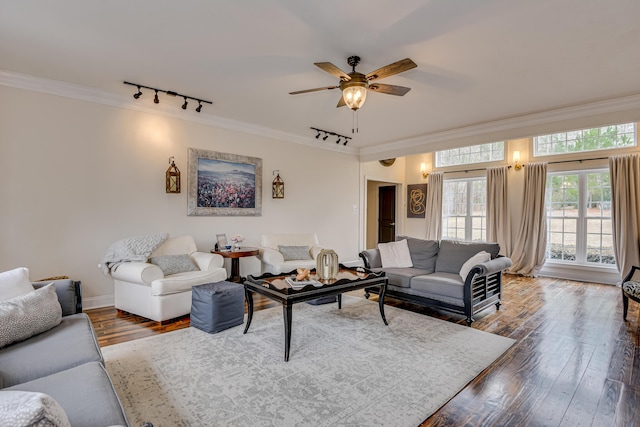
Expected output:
(434, 280)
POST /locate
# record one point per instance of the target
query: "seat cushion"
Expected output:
(182, 282)
(632, 288)
(402, 276)
(85, 393)
(69, 344)
(444, 284)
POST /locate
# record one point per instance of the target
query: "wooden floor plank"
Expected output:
(575, 363)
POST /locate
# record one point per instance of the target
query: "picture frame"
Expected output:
(416, 200)
(221, 242)
(223, 184)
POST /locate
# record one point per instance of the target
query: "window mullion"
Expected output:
(581, 226)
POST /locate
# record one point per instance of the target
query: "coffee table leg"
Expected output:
(249, 297)
(287, 312)
(383, 289)
(339, 301)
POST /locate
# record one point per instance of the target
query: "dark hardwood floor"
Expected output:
(575, 363)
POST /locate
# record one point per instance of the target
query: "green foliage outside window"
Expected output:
(600, 138)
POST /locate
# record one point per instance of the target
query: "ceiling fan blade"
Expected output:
(341, 103)
(391, 69)
(389, 89)
(333, 70)
(313, 90)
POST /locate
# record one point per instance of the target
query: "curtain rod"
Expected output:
(549, 163)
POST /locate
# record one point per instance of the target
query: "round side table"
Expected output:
(235, 255)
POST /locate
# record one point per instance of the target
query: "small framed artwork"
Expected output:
(416, 200)
(224, 184)
(221, 241)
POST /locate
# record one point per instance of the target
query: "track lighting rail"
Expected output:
(170, 93)
(329, 133)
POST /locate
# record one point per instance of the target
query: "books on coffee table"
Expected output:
(299, 284)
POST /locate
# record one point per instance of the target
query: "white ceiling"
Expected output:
(479, 61)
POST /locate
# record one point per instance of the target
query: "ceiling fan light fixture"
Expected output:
(354, 92)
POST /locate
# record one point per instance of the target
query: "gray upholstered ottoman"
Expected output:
(217, 306)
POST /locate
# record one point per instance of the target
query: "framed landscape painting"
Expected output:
(224, 184)
(416, 200)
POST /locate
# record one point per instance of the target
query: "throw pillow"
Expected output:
(28, 315)
(28, 408)
(173, 264)
(478, 258)
(294, 253)
(395, 254)
(14, 283)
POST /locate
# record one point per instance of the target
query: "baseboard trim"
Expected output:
(97, 302)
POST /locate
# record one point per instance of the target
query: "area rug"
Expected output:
(346, 368)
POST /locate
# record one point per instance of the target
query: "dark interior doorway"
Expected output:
(386, 213)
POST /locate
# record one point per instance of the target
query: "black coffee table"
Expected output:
(277, 289)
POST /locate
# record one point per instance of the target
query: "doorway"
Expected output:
(386, 213)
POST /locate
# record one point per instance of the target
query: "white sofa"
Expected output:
(273, 260)
(142, 288)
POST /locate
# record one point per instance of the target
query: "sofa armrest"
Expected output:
(207, 261)
(270, 256)
(69, 294)
(494, 266)
(371, 258)
(137, 272)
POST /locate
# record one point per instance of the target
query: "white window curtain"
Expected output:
(529, 249)
(434, 206)
(498, 223)
(625, 211)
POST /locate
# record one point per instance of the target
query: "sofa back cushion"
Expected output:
(293, 239)
(176, 246)
(424, 253)
(453, 254)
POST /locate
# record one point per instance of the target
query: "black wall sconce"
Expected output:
(156, 100)
(173, 177)
(277, 191)
(327, 133)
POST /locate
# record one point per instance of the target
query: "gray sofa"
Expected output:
(435, 281)
(65, 362)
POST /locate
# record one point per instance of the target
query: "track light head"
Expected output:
(155, 98)
(199, 107)
(338, 140)
(318, 135)
(326, 135)
(184, 106)
(345, 141)
(139, 94)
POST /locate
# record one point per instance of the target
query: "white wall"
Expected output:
(79, 176)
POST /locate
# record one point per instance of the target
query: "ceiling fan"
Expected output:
(354, 85)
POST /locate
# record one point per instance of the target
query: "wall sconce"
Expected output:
(277, 191)
(423, 170)
(516, 159)
(173, 177)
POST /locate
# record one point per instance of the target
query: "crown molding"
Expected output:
(84, 93)
(429, 142)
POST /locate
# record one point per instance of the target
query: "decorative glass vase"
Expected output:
(327, 265)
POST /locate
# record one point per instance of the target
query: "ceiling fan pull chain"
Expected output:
(354, 124)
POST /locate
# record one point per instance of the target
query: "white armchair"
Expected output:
(273, 260)
(142, 288)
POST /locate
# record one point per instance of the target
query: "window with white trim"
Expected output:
(489, 152)
(464, 209)
(601, 138)
(579, 228)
